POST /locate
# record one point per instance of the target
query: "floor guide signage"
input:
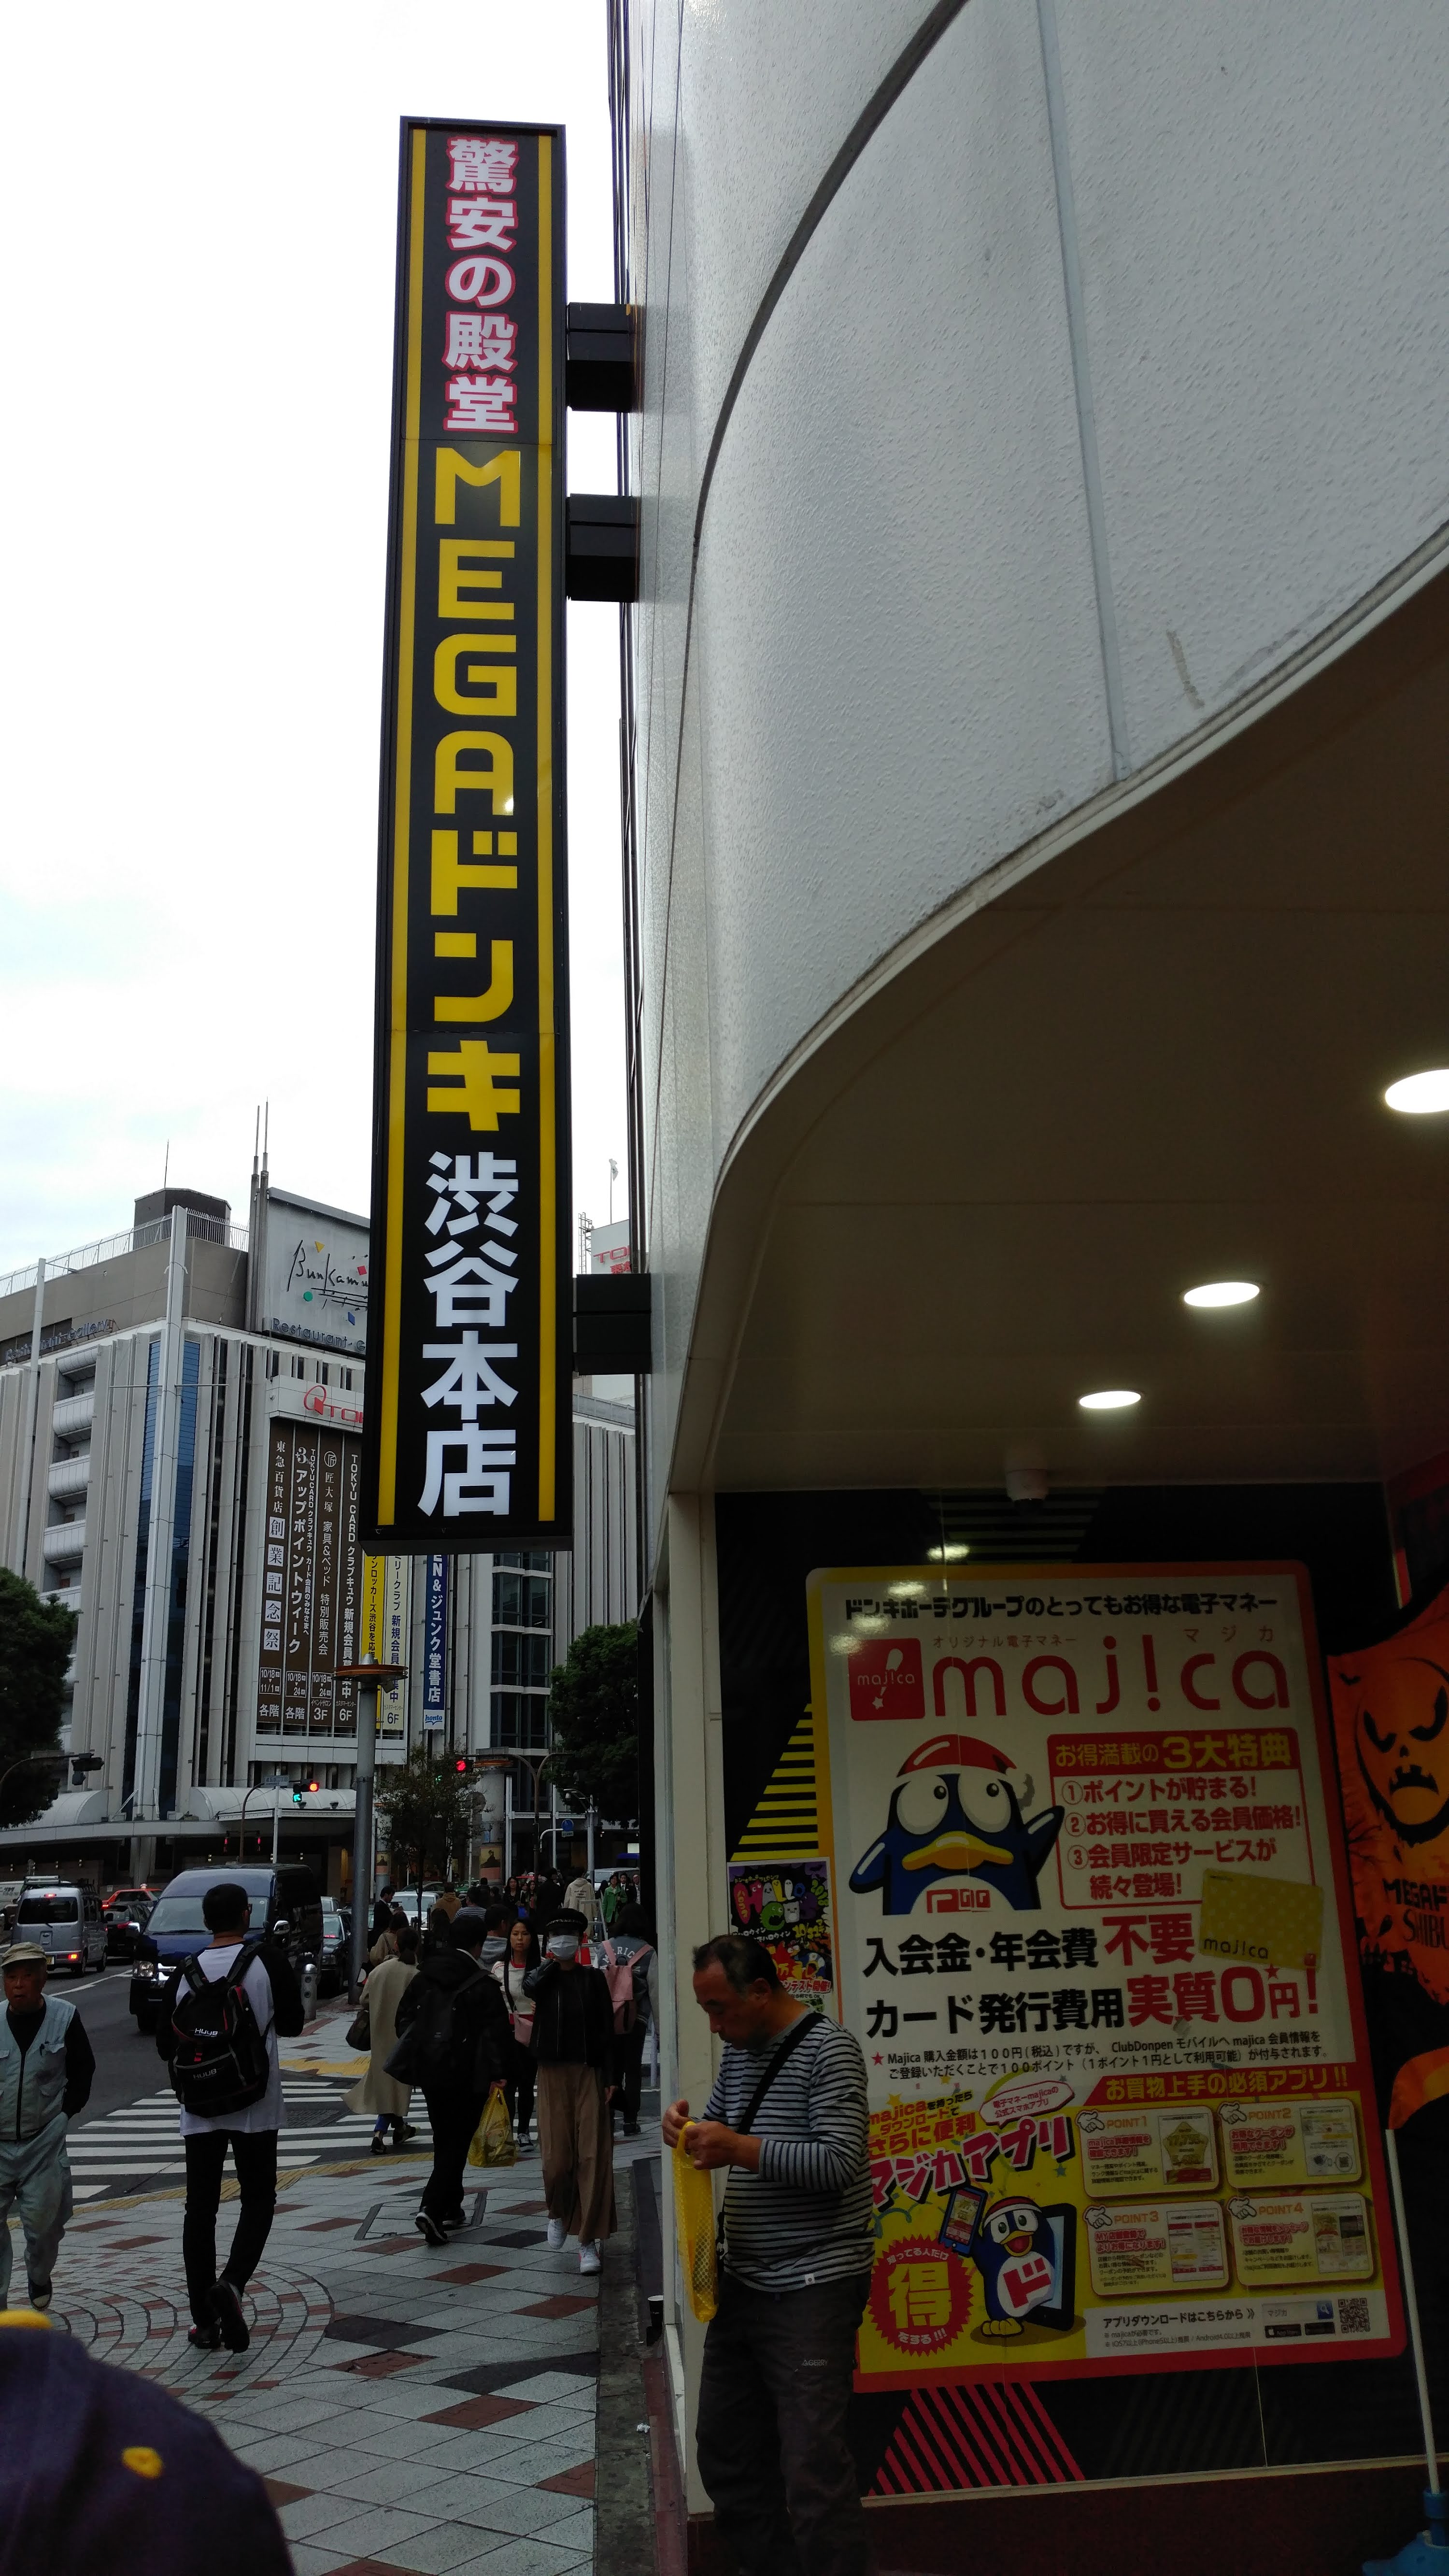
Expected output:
(1090, 1920)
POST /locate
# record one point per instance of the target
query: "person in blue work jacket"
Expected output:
(46, 2068)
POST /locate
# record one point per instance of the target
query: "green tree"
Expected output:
(593, 1707)
(430, 1809)
(35, 1641)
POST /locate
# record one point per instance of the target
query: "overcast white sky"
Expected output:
(199, 219)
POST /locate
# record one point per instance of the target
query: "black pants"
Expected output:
(771, 2435)
(454, 2116)
(629, 2071)
(255, 2151)
(521, 2066)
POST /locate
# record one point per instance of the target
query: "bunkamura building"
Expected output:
(181, 1411)
(1036, 731)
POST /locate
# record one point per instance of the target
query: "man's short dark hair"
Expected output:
(745, 1963)
(468, 1928)
(224, 1908)
(496, 1918)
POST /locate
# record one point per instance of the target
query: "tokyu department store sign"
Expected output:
(1093, 1930)
(470, 1343)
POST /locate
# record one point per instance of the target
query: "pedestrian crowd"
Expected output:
(504, 2011)
(546, 1995)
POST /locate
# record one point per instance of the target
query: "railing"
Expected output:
(113, 1247)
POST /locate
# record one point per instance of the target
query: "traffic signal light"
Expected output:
(304, 1789)
(461, 1763)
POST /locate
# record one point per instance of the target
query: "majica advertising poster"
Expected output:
(1091, 1923)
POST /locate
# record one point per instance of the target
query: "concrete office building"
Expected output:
(180, 1416)
(1036, 755)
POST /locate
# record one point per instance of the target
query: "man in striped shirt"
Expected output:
(779, 2353)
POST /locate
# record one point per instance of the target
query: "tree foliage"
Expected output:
(35, 1641)
(430, 1809)
(593, 1707)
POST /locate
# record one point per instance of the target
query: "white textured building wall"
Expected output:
(1103, 382)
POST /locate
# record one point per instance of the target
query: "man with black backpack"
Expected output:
(218, 2026)
(454, 2041)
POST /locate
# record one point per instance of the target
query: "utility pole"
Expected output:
(370, 1677)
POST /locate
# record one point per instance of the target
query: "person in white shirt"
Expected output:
(521, 1955)
(276, 2001)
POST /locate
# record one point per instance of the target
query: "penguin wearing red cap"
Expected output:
(956, 1815)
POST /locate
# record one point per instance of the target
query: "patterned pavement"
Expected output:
(410, 2409)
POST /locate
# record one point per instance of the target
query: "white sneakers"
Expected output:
(590, 2259)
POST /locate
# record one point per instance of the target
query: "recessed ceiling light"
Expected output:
(1221, 1292)
(950, 1554)
(1420, 1095)
(1109, 1399)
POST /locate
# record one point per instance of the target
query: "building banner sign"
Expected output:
(1092, 1927)
(311, 1583)
(470, 1345)
(435, 1642)
(386, 1613)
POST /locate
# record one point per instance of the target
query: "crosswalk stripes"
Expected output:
(140, 2142)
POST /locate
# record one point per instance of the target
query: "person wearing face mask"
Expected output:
(573, 2046)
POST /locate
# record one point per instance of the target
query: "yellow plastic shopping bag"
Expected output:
(493, 2139)
(694, 2213)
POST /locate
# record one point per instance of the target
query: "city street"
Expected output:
(408, 2408)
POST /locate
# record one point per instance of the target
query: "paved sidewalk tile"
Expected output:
(414, 2410)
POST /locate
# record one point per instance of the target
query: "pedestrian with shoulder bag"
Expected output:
(788, 2118)
(375, 2029)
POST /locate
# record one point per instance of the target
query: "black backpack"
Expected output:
(219, 2059)
(438, 2049)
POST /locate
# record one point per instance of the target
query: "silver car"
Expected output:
(66, 1920)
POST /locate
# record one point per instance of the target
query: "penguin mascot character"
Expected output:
(956, 1815)
(1015, 2253)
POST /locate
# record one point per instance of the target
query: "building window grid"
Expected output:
(522, 1649)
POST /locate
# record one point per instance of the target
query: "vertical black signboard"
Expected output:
(469, 1437)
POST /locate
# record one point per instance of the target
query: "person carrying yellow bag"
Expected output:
(493, 2139)
(694, 2217)
(452, 2041)
(788, 2122)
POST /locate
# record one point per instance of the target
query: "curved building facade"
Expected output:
(1037, 752)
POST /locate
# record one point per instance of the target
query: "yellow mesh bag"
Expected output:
(694, 2214)
(493, 2139)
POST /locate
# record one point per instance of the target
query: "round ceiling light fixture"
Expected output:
(1221, 1292)
(1109, 1399)
(1420, 1095)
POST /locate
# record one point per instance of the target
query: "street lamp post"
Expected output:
(370, 1677)
(274, 1780)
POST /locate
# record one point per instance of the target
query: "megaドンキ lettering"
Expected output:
(491, 687)
(451, 778)
(505, 469)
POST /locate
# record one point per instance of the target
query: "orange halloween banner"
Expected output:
(1391, 1720)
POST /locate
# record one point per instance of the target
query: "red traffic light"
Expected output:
(462, 1762)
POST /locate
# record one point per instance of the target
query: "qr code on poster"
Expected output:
(1353, 2316)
